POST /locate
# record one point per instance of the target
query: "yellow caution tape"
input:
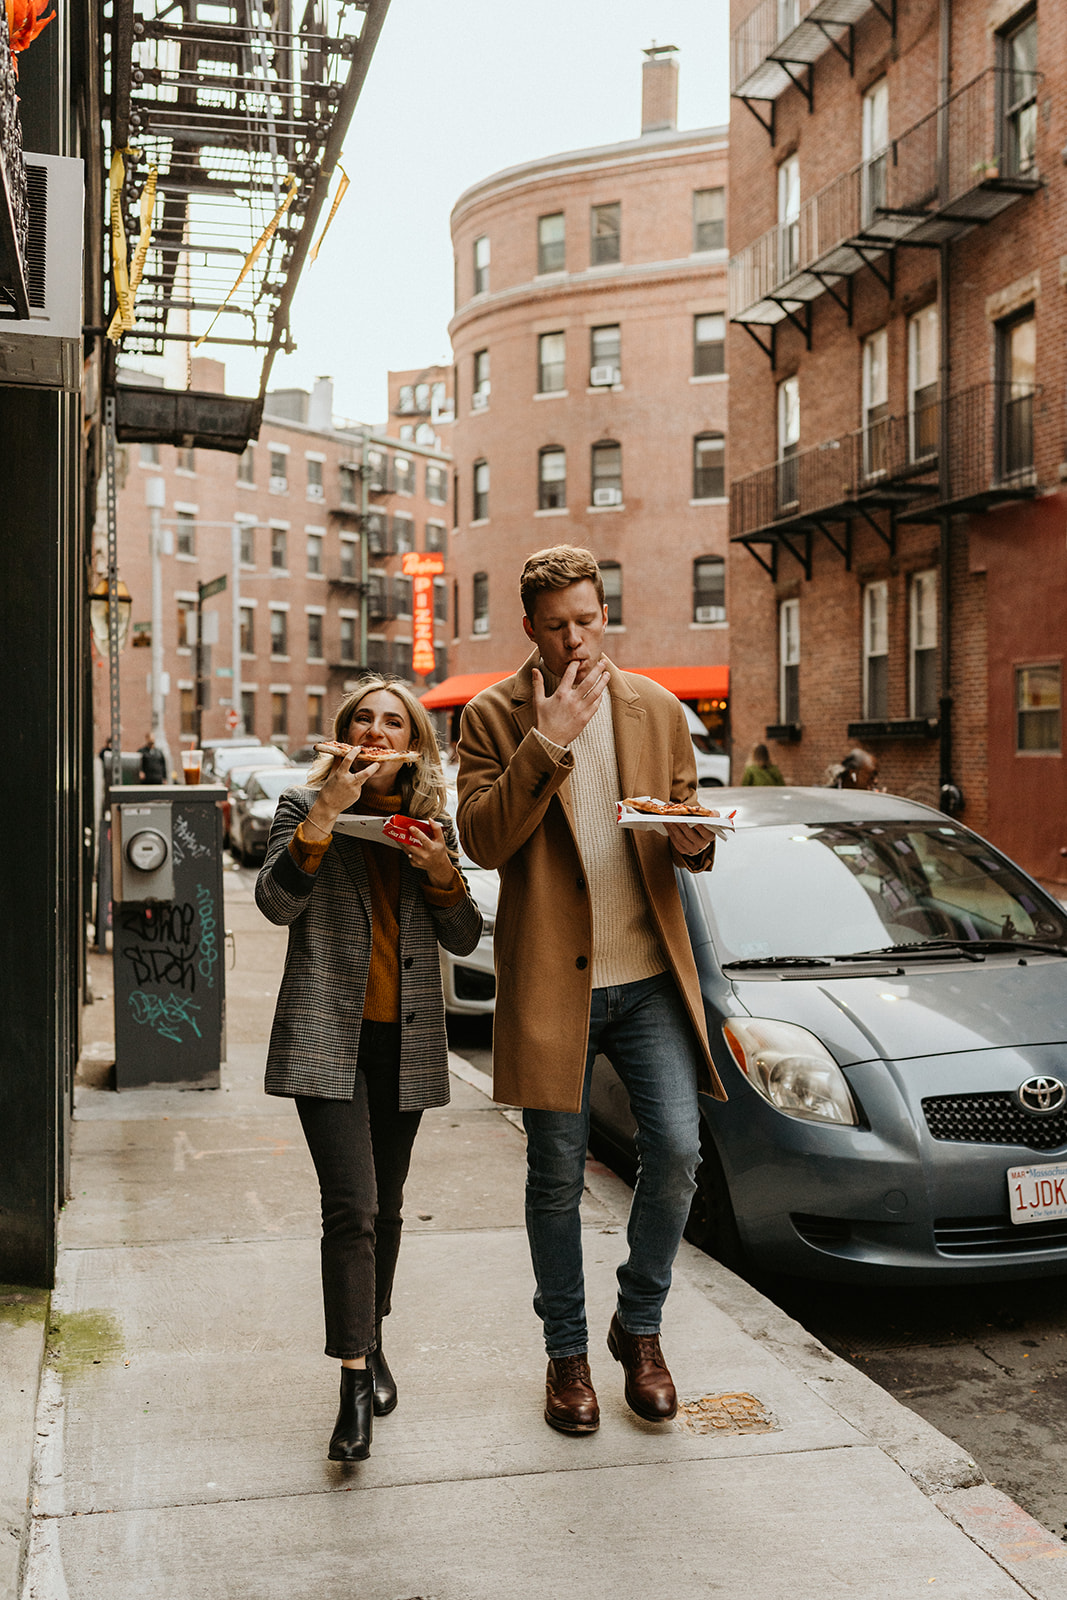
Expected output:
(338, 197)
(123, 319)
(256, 250)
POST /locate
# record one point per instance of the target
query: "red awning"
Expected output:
(688, 683)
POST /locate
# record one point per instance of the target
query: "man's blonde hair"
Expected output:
(557, 568)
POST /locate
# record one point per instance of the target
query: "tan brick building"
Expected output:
(296, 496)
(898, 571)
(591, 392)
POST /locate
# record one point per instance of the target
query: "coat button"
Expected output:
(409, 961)
(581, 963)
(410, 1018)
(580, 883)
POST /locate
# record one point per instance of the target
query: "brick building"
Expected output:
(898, 572)
(589, 341)
(297, 498)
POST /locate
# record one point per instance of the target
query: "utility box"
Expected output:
(168, 935)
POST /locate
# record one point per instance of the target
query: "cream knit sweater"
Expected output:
(625, 944)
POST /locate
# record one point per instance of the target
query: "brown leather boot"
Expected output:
(649, 1386)
(570, 1399)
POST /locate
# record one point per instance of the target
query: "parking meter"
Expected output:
(168, 935)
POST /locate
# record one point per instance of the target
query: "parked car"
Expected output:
(216, 752)
(238, 772)
(886, 997)
(713, 764)
(469, 981)
(253, 807)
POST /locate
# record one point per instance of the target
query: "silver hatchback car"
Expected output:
(886, 997)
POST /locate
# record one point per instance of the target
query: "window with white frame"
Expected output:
(279, 713)
(348, 473)
(480, 597)
(788, 217)
(607, 473)
(876, 651)
(314, 555)
(248, 630)
(314, 624)
(247, 543)
(149, 455)
(551, 362)
(1018, 62)
(606, 234)
(348, 637)
(315, 700)
(1038, 709)
(922, 644)
(789, 661)
(788, 16)
(481, 386)
(551, 478)
(709, 344)
(709, 466)
(481, 491)
(788, 442)
(246, 465)
(279, 631)
(709, 589)
(605, 355)
(404, 474)
(923, 361)
(875, 145)
(349, 558)
(709, 219)
(437, 537)
(436, 483)
(875, 404)
(611, 577)
(279, 548)
(481, 264)
(185, 533)
(186, 607)
(403, 534)
(279, 470)
(315, 488)
(551, 243)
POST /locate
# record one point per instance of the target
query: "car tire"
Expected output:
(712, 1225)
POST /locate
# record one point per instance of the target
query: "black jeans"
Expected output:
(362, 1150)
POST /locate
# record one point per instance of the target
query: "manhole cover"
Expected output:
(726, 1413)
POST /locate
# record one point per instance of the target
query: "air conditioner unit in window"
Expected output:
(603, 377)
(481, 624)
(607, 497)
(316, 491)
(480, 398)
(708, 614)
(278, 485)
(45, 350)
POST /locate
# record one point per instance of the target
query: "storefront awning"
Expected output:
(688, 683)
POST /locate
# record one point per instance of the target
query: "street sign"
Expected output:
(232, 719)
(216, 586)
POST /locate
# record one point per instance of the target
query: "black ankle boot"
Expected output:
(384, 1382)
(352, 1430)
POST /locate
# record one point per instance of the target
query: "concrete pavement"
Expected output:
(184, 1403)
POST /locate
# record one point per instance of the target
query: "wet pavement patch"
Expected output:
(726, 1413)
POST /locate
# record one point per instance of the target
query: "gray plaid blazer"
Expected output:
(314, 1041)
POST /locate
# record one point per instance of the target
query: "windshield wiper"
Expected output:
(971, 949)
(777, 961)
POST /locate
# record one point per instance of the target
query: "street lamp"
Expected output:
(100, 616)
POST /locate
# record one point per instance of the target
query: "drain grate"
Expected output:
(726, 1413)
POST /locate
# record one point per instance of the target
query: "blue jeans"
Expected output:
(644, 1030)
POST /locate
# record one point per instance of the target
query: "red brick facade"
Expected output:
(1002, 552)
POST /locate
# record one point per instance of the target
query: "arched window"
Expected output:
(709, 466)
(607, 473)
(551, 478)
(611, 576)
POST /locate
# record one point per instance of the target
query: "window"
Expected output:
(455, 608)
(379, 539)
(481, 491)
(437, 537)
(279, 471)
(709, 344)
(551, 479)
(709, 466)
(481, 264)
(349, 559)
(436, 484)
(788, 16)
(551, 363)
(403, 534)
(605, 356)
(922, 644)
(1018, 59)
(379, 478)
(314, 635)
(709, 589)
(348, 475)
(709, 219)
(876, 651)
(605, 226)
(185, 536)
(248, 633)
(404, 474)
(279, 632)
(248, 710)
(789, 661)
(315, 490)
(377, 655)
(314, 555)
(246, 465)
(607, 474)
(279, 714)
(611, 577)
(480, 590)
(480, 394)
(923, 361)
(424, 434)
(422, 398)
(551, 243)
(1016, 359)
(788, 217)
(185, 460)
(875, 405)
(402, 596)
(405, 402)
(875, 145)
(279, 550)
(188, 712)
(314, 708)
(378, 597)
(348, 638)
(407, 433)
(788, 443)
(150, 455)
(1038, 702)
(248, 544)
(440, 600)
(186, 623)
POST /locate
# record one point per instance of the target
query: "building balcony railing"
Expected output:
(779, 38)
(959, 166)
(893, 464)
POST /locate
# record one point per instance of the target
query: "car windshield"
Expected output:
(248, 755)
(842, 888)
(272, 785)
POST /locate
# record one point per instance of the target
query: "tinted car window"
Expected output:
(846, 887)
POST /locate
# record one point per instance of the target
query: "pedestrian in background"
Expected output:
(153, 767)
(359, 1031)
(761, 770)
(858, 770)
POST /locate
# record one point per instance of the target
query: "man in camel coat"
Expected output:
(592, 955)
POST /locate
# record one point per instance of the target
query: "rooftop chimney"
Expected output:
(659, 89)
(320, 405)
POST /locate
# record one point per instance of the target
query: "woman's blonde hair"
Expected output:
(421, 783)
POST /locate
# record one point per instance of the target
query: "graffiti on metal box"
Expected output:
(166, 1013)
(186, 843)
(209, 945)
(164, 950)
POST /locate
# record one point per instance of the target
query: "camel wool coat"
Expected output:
(514, 814)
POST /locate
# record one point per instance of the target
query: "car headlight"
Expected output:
(790, 1068)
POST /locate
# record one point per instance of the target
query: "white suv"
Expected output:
(713, 767)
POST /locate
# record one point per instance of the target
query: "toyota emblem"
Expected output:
(1041, 1096)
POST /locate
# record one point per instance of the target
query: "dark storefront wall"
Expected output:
(1023, 551)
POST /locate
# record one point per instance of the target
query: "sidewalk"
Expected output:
(185, 1405)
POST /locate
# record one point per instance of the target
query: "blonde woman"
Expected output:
(359, 1034)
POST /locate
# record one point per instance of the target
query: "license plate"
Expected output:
(1037, 1193)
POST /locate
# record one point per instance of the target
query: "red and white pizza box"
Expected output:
(373, 830)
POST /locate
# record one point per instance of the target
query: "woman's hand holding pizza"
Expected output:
(340, 790)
